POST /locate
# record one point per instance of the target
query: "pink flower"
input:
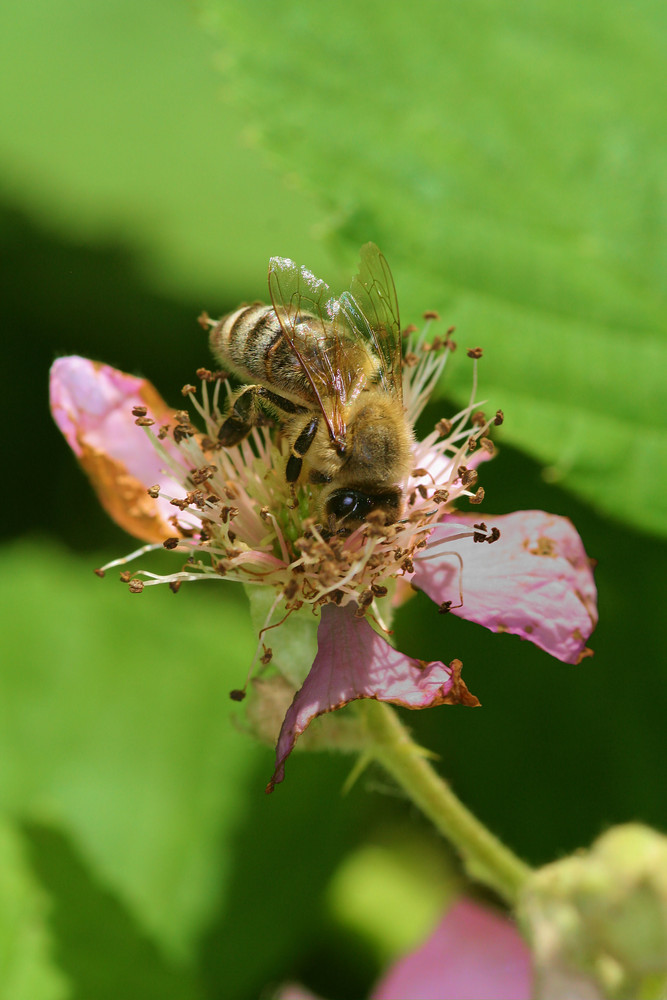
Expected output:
(227, 514)
(473, 952)
(352, 662)
(92, 404)
(534, 581)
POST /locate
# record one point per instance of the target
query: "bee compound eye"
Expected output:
(343, 503)
(357, 505)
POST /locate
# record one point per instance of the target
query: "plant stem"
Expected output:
(485, 857)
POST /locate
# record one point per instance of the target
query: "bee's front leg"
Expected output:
(300, 449)
(251, 407)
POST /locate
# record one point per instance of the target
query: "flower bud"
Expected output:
(598, 919)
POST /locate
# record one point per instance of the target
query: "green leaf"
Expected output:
(112, 128)
(100, 947)
(508, 158)
(27, 967)
(118, 724)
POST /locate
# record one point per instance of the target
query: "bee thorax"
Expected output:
(378, 443)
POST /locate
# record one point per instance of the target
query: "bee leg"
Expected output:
(250, 407)
(299, 449)
(240, 419)
(293, 501)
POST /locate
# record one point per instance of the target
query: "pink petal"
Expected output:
(474, 952)
(353, 662)
(92, 405)
(534, 581)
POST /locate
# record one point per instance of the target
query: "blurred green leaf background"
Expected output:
(510, 161)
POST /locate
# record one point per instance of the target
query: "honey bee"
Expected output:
(329, 371)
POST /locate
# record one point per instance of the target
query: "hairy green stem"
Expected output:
(485, 857)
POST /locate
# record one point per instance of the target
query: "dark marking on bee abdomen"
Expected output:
(254, 344)
(247, 337)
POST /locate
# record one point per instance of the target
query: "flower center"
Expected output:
(238, 518)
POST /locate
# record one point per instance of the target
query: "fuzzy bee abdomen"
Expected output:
(251, 342)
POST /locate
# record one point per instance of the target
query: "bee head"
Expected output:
(348, 507)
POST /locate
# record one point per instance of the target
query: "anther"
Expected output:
(135, 586)
(467, 476)
(499, 417)
(154, 491)
(202, 475)
(480, 532)
(475, 353)
(365, 598)
(182, 432)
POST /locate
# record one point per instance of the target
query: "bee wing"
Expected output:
(305, 309)
(371, 310)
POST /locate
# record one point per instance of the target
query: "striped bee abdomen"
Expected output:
(251, 342)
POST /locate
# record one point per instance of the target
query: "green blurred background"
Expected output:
(510, 161)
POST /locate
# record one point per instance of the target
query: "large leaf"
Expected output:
(509, 160)
(100, 947)
(117, 723)
(112, 128)
(27, 954)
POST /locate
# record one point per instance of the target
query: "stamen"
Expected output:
(239, 694)
(154, 547)
(379, 619)
(438, 549)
